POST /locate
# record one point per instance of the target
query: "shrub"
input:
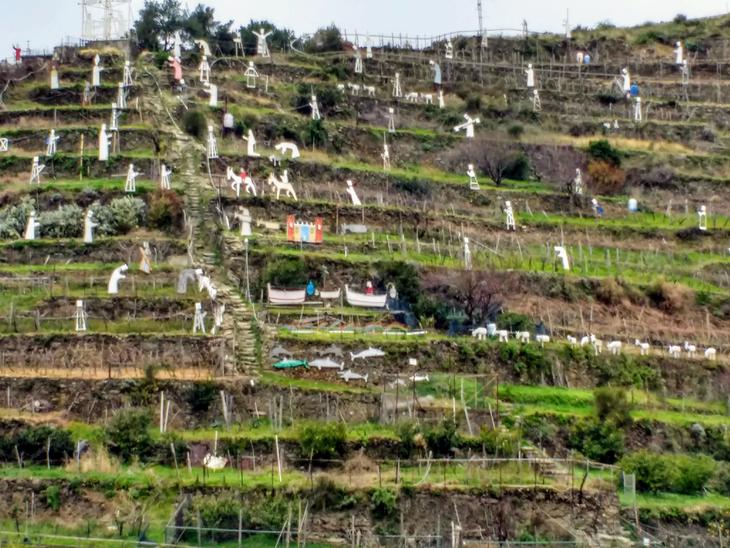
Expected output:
(286, 273)
(693, 473)
(325, 39)
(201, 396)
(323, 441)
(669, 473)
(613, 405)
(606, 178)
(603, 151)
(165, 210)
(383, 503)
(610, 292)
(473, 103)
(65, 222)
(53, 497)
(518, 168)
(512, 321)
(195, 123)
(407, 433)
(32, 443)
(441, 439)
(596, 440)
(127, 435)
(314, 133)
(500, 443)
(667, 297)
(516, 131)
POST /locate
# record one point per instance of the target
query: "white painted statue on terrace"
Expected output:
(36, 170)
(391, 120)
(251, 145)
(530, 74)
(397, 90)
(177, 47)
(386, 155)
(96, 72)
(562, 254)
(702, 217)
(30, 226)
(121, 97)
(262, 46)
(145, 258)
(165, 174)
(127, 79)
(536, 102)
(472, 174)
(212, 90)
(353, 195)
(467, 255)
(55, 84)
(449, 53)
(468, 126)
(637, 110)
(442, 103)
(679, 54)
(212, 147)
(358, 61)
(204, 71)
(80, 324)
(4, 144)
(626, 80)
(251, 75)
(89, 226)
(368, 48)
(51, 143)
(116, 277)
(114, 122)
(315, 108)
(578, 183)
(130, 185)
(509, 215)
(104, 141)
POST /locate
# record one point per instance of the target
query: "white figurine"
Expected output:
(509, 216)
(702, 216)
(578, 183)
(467, 255)
(251, 142)
(127, 80)
(4, 144)
(89, 226)
(251, 75)
(204, 71)
(218, 310)
(238, 44)
(165, 177)
(121, 97)
(391, 120)
(386, 155)
(562, 254)
(449, 54)
(397, 90)
(54, 79)
(199, 319)
(597, 209)
(473, 182)
(116, 277)
(679, 54)
(203, 47)
(103, 144)
(86, 95)
(536, 102)
(80, 317)
(145, 258)
(358, 61)
(468, 126)
(130, 184)
(262, 47)
(245, 220)
(626, 80)
(282, 184)
(684, 69)
(36, 170)
(51, 143)
(442, 103)
(177, 45)
(114, 122)
(212, 148)
(368, 48)
(353, 194)
(530, 73)
(315, 108)
(637, 109)
(96, 72)
(292, 148)
(212, 90)
(30, 226)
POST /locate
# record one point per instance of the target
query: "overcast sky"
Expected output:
(45, 23)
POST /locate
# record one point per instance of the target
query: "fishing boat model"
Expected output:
(286, 297)
(363, 300)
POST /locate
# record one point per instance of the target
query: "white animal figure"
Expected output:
(369, 90)
(212, 90)
(530, 74)
(367, 354)
(480, 333)
(96, 72)
(165, 177)
(127, 79)
(572, 341)
(412, 97)
(523, 336)
(427, 98)
(585, 340)
(354, 89)
(282, 184)
(341, 87)
(203, 47)
(614, 347)
(503, 335)
(116, 277)
(251, 145)
(597, 345)
(353, 195)
(675, 351)
(30, 226)
(644, 347)
(397, 90)
(562, 254)
(212, 462)
(473, 181)
(690, 348)
(350, 375)
(468, 126)
(711, 354)
(80, 317)
(199, 319)
(51, 143)
(262, 46)
(291, 148)
(131, 183)
(251, 75)
(36, 170)
(104, 140)
(89, 226)
(542, 339)
(416, 378)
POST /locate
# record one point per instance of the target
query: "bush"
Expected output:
(383, 503)
(53, 497)
(518, 168)
(65, 222)
(325, 39)
(314, 134)
(165, 210)
(669, 473)
(603, 151)
(693, 473)
(610, 292)
(596, 440)
(441, 439)
(195, 123)
(512, 321)
(127, 435)
(473, 103)
(500, 443)
(516, 131)
(323, 441)
(667, 297)
(285, 273)
(201, 396)
(612, 405)
(606, 178)
(32, 443)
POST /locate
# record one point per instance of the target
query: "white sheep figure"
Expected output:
(690, 348)
(711, 354)
(503, 335)
(585, 340)
(523, 336)
(572, 341)
(597, 344)
(643, 347)
(675, 351)
(542, 339)
(479, 333)
(614, 347)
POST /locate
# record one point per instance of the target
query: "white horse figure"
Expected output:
(237, 182)
(479, 333)
(282, 184)
(292, 148)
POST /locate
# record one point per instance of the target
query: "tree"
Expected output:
(158, 20)
(325, 39)
(496, 160)
(476, 293)
(127, 435)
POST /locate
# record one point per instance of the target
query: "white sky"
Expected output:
(44, 23)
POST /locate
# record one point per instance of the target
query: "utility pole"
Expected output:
(482, 36)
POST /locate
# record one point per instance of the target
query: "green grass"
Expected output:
(686, 503)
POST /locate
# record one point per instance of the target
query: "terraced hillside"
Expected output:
(424, 373)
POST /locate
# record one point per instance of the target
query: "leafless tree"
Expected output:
(476, 293)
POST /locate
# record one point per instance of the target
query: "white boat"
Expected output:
(363, 300)
(286, 297)
(330, 295)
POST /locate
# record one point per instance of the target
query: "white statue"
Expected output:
(291, 148)
(165, 177)
(51, 143)
(89, 226)
(199, 319)
(245, 220)
(315, 108)
(4, 144)
(562, 254)
(468, 126)
(104, 140)
(204, 70)
(212, 90)
(54, 79)
(679, 54)
(238, 44)
(684, 69)
(212, 148)
(449, 54)
(96, 72)
(386, 155)
(203, 47)
(251, 142)
(145, 258)
(121, 97)
(86, 95)
(36, 170)
(536, 102)
(467, 255)
(116, 277)
(530, 73)
(442, 103)
(368, 48)
(218, 310)
(353, 194)
(358, 61)
(251, 75)
(391, 120)
(80, 317)
(626, 80)
(597, 209)
(473, 181)
(262, 47)
(282, 184)
(30, 226)
(177, 45)
(578, 183)
(637, 109)
(702, 217)
(397, 90)
(130, 184)
(114, 125)
(127, 80)
(579, 57)
(509, 216)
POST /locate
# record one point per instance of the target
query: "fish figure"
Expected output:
(333, 350)
(419, 378)
(280, 351)
(369, 353)
(326, 363)
(350, 375)
(291, 364)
